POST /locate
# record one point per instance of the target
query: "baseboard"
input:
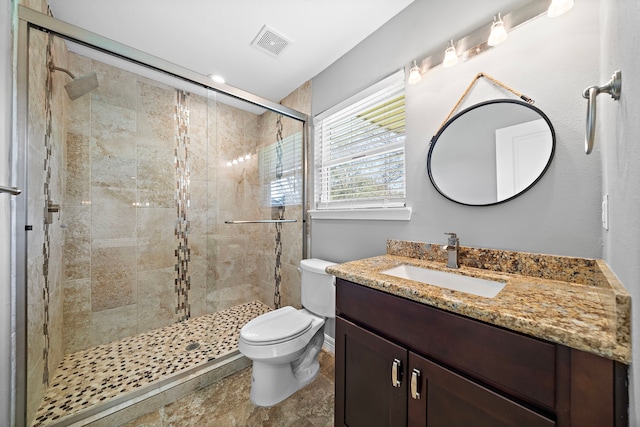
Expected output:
(329, 344)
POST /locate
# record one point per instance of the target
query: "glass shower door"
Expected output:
(132, 179)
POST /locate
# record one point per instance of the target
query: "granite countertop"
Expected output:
(576, 302)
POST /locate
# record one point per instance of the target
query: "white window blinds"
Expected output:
(288, 189)
(359, 149)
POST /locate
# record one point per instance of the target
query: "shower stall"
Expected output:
(161, 211)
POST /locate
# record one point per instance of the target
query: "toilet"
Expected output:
(284, 343)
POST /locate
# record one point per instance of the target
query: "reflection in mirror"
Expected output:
(491, 152)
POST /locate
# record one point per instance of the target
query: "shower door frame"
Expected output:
(30, 19)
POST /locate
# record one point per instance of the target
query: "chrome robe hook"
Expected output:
(590, 93)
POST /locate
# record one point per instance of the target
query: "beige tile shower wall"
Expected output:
(291, 234)
(299, 99)
(44, 299)
(35, 258)
(120, 248)
(77, 208)
(155, 205)
(60, 106)
(232, 261)
(203, 160)
(119, 258)
(36, 238)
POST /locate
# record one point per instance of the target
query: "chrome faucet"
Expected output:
(452, 246)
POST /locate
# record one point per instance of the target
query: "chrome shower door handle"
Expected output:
(396, 373)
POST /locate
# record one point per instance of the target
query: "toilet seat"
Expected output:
(277, 326)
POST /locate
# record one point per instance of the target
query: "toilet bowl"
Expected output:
(284, 344)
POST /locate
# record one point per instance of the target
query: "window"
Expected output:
(286, 190)
(360, 149)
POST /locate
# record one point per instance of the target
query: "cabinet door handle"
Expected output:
(415, 384)
(396, 373)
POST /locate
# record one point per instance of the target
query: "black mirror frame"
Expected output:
(432, 144)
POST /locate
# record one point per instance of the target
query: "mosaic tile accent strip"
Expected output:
(277, 274)
(182, 225)
(94, 376)
(46, 246)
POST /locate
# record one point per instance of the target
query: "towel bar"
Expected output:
(590, 93)
(262, 221)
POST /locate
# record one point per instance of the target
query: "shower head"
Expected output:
(79, 85)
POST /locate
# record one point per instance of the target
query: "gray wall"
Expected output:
(618, 138)
(5, 138)
(551, 60)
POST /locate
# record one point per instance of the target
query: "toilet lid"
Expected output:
(275, 326)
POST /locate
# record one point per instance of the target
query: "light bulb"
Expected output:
(216, 78)
(450, 56)
(559, 7)
(414, 74)
(498, 32)
(229, 164)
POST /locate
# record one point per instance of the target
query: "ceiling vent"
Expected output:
(270, 42)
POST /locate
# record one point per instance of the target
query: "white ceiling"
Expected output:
(214, 36)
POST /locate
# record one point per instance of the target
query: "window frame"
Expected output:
(383, 92)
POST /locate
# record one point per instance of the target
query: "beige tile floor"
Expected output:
(226, 404)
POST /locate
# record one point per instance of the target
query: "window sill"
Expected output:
(382, 214)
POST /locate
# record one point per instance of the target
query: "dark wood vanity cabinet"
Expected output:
(399, 363)
(365, 376)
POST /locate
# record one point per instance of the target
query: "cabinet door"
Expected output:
(517, 365)
(366, 364)
(447, 399)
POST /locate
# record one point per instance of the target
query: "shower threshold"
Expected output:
(90, 384)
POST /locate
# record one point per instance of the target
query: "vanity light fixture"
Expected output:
(450, 56)
(559, 7)
(414, 74)
(498, 32)
(476, 42)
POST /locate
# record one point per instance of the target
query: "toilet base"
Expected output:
(306, 368)
(272, 383)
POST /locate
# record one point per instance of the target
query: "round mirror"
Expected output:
(491, 152)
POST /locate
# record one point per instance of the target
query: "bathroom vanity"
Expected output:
(551, 348)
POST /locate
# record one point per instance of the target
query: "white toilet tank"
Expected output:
(318, 287)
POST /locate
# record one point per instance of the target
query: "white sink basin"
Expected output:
(456, 282)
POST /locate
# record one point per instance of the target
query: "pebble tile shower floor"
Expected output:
(94, 376)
